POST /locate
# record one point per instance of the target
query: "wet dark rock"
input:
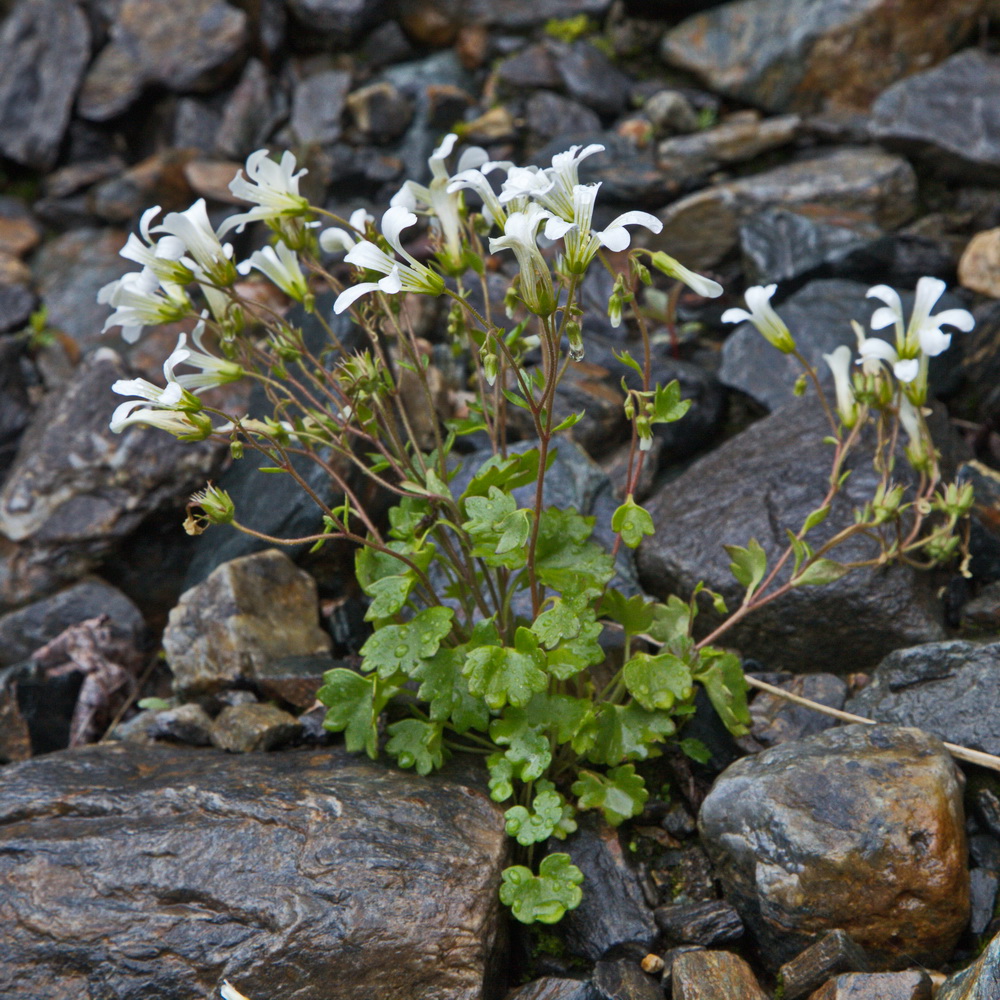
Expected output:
(185, 45)
(249, 613)
(167, 869)
(592, 79)
(44, 48)
(67, 503)
(556, 988)
(196, 125)
(317, 106)
(189, 724)
(856, 184)
(987, 809)
(707, 924)
(17, 375)
(984, 536)
(766, 479)
(946, 688)
(380, 111)
(859, 828)
(802, 56)
(295, 679)
(17, 303)
(248, 728)
(984, 849)
(688, 160)
(614, 912)
(31, 627)
(910, 985)
(334, 23)
(983, 884)
(250, 113)
(519, 14)
(708, 975)
(670, 113)
(684, 875)
(15, 738)
(548, 115)
(530, 68)
(623, 979)
(776, 720)
(948, 114)
(834, 953)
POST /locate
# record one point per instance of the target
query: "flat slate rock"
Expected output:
(134, 871)
(950, 113)
(801, 55)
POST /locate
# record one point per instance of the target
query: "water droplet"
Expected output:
(400, 651)
(576, 354)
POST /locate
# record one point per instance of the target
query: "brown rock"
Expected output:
(979, 268)
(245, 728)
(250, 612)
(831, 955)
(18, 235)
(709, 975)
(15, 740)
(859, 828)
(210, 179)
(911, 985)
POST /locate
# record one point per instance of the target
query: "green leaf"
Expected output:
(498, 529)
(628, 732)
(632, 522)
(415, 743)
(626, 359)
(544, 897)
(620, 794)
(561, 621)
(634, 614)
(818, 516)
(401, 648)
(518, 469)
(748, 565)
(388, 596)
(405, 518)
(501, 781)
(571, 421)
(668, 405)
(571, 719)
(446, 690)
(658, 681)
(573, 655)
(549, 816)
(565, 560)
(499, 674)
(527, 747)
(354, 707)
(820, 572)
(696, 750)
(153, 704)
(721, 674)
(672, 623)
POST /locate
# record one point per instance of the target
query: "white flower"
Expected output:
(565, 176)
(141, 300)
(162, 257)
(281, 265)
(839, 361)
(923, 333)
(874, 350)
(177, 422)
(524, 183)
(230, 992)
(208, 255)
(213, 371)
(334, 240)
(763, 316)
(440, 200)
(696, 282)
(410, 277)
(476, 180)
(520, 235)
(273, 187)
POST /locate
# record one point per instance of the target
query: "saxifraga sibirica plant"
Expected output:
(494, 612)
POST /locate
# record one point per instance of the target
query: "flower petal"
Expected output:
(349, 296)
(906, 370)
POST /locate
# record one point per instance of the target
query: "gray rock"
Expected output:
(951, 689)
(983, 885)
(622, 979)
(980, 981)
(528, 13)
(548, 115)
(188, 724)
(31, 627)
(613, 911)
(248, 728)
(68, 500)
(819, 317)
(708, 975)
(556, 988)
(761, 481)
(948, 113)
(803, 56)
(707, 924)
(984, 850)
(162, 871)
(859, 828)
(984, 536)
(249, 613)
(854, 183)
(530, 68)
(16, 377)
(380, 111)
(334, 23)
(834, 953)
(17, 303)
(250, 114)
(184, 45)
(688, 160)
(776, 720)
(910, 985)
(196, 125)
(592, 79)
(317, 106)
(670, 112)
(44, 48)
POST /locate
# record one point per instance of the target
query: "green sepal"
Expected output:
(620, 794)
(544, 897)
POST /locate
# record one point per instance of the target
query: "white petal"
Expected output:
(960, 318)
(933, 341)
(736, 316)
(556, 228)
(888, 295)
(394, 221)
(884, 316)
(906, 370)
(350, 295)
(392, 282)
(615, 238)
(651, 222)
(876, 347)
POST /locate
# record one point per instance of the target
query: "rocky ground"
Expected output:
(824, 147)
